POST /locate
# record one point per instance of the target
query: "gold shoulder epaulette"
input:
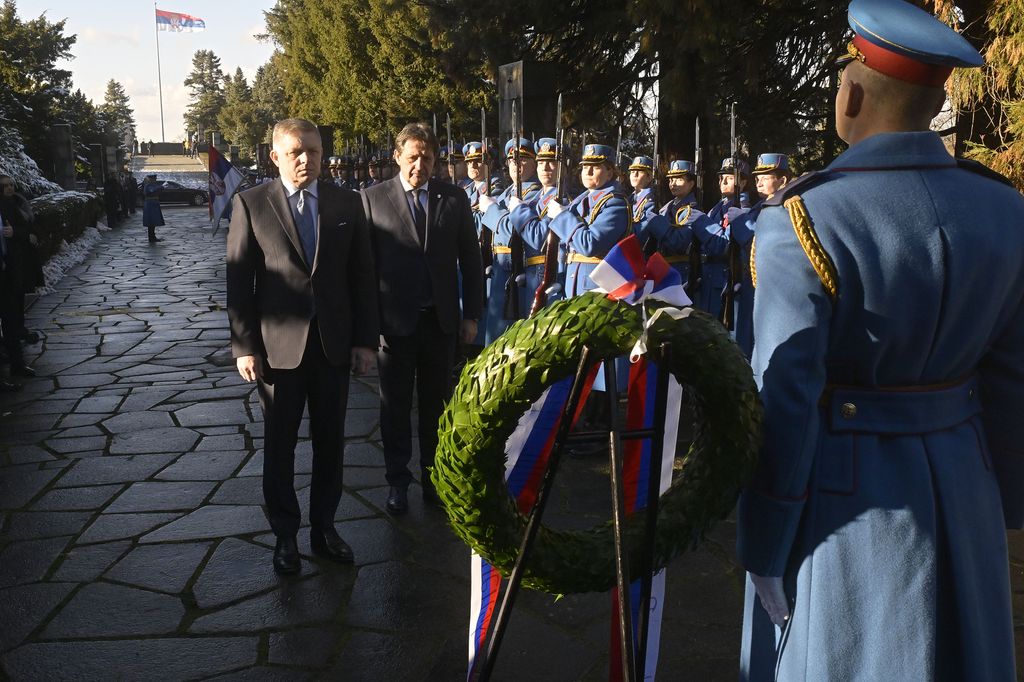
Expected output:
(820, 260)
(753, 268)
(599, 205)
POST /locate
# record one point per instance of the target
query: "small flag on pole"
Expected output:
(224, 180)
(178, 23)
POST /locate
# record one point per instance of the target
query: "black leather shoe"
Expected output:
(430, 493)
(329, 545)
(398, 500)
(22, 371)
(286, 556)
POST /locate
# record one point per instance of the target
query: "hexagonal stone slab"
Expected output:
(126, 422)
(237, 569)
(23, 608)
(26, 562)
(118, 526)
(20, 484)
(173, 439)
(152, 496)
(212, 521)
(213, 413)
(90, 497)
(175, 659)
(165, 568)
(84, 564)
(101, 470)
(102, 610)
(206, 466)
(315, 600)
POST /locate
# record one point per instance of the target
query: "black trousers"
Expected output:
(12, 322)
(425, 358)
(283, 395)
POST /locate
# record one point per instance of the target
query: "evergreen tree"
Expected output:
(30, 82)
(268, 91)
(118, 115)
(241, 121)
(206, 81)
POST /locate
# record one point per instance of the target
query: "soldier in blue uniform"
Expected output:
(715, 276)
(373, 172)
(641, 177)
(478, 172)
(771, 174)
(529, 219)
(496, 218)
(461, 179)
(681, 231)
(889, 353)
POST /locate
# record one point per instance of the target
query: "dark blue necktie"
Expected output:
(419, 216)
(307, 226)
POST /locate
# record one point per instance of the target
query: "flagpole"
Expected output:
(159, 80)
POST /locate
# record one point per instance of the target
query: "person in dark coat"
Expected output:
(152, 216)
(17, 273)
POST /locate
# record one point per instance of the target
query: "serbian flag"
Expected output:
(178, 23)
(224, 180)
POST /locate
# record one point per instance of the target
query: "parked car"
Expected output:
(176, 193)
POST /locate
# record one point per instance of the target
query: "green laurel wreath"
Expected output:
(512, 373)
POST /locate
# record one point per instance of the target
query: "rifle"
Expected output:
(696, 265)
(548, 284)
(735, 279)
(651, 245)
(515, 243)
(618, 153)
(451, 159)
(486, 236)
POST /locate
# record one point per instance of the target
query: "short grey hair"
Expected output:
(293, 126)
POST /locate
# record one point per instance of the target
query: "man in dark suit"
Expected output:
(302, 301)
(423, 237)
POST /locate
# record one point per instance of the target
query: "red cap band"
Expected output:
(897, 65)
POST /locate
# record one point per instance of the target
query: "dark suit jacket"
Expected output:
(273, 292)
(451, 246)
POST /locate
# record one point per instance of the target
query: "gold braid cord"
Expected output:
(753, 268)
(820, 260)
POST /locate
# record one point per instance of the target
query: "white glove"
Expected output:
(485, 203)
(513, 202)
(773, 598)
(555, 209)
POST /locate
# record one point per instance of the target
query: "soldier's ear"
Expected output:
(854, 100)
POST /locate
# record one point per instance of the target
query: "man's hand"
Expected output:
(513, 202)
(773, 598)
(555, 209)
(467, 331)
(485, 203)
(363, 360)
(250, 367)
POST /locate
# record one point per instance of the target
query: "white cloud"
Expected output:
(98, 36)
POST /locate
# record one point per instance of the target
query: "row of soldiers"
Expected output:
(529, 210)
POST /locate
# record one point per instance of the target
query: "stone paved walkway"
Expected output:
(133, 544)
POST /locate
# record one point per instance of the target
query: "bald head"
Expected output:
(869, 102)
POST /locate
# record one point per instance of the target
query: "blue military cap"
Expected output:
(596, 154)
(902, 41)
(457, 154)
(772, 163)
(546, 148)
(727, 169)
(334, 161)
(473, 151)
(442, 152)
(525, 148)
(680, 169)
(642, 163)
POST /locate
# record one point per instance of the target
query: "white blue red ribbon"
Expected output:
(527, 451)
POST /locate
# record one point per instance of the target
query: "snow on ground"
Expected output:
(69, 256)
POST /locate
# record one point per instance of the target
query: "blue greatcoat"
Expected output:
(473, 192)
(496, 219)
(892, 456)
(715, 275)
(152, 216)
(742, 224)
(530, 220)
(593, 223)
(683, 227)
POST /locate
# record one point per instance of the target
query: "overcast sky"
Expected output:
(117, 39)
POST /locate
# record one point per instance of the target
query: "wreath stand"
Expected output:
(632, 666)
